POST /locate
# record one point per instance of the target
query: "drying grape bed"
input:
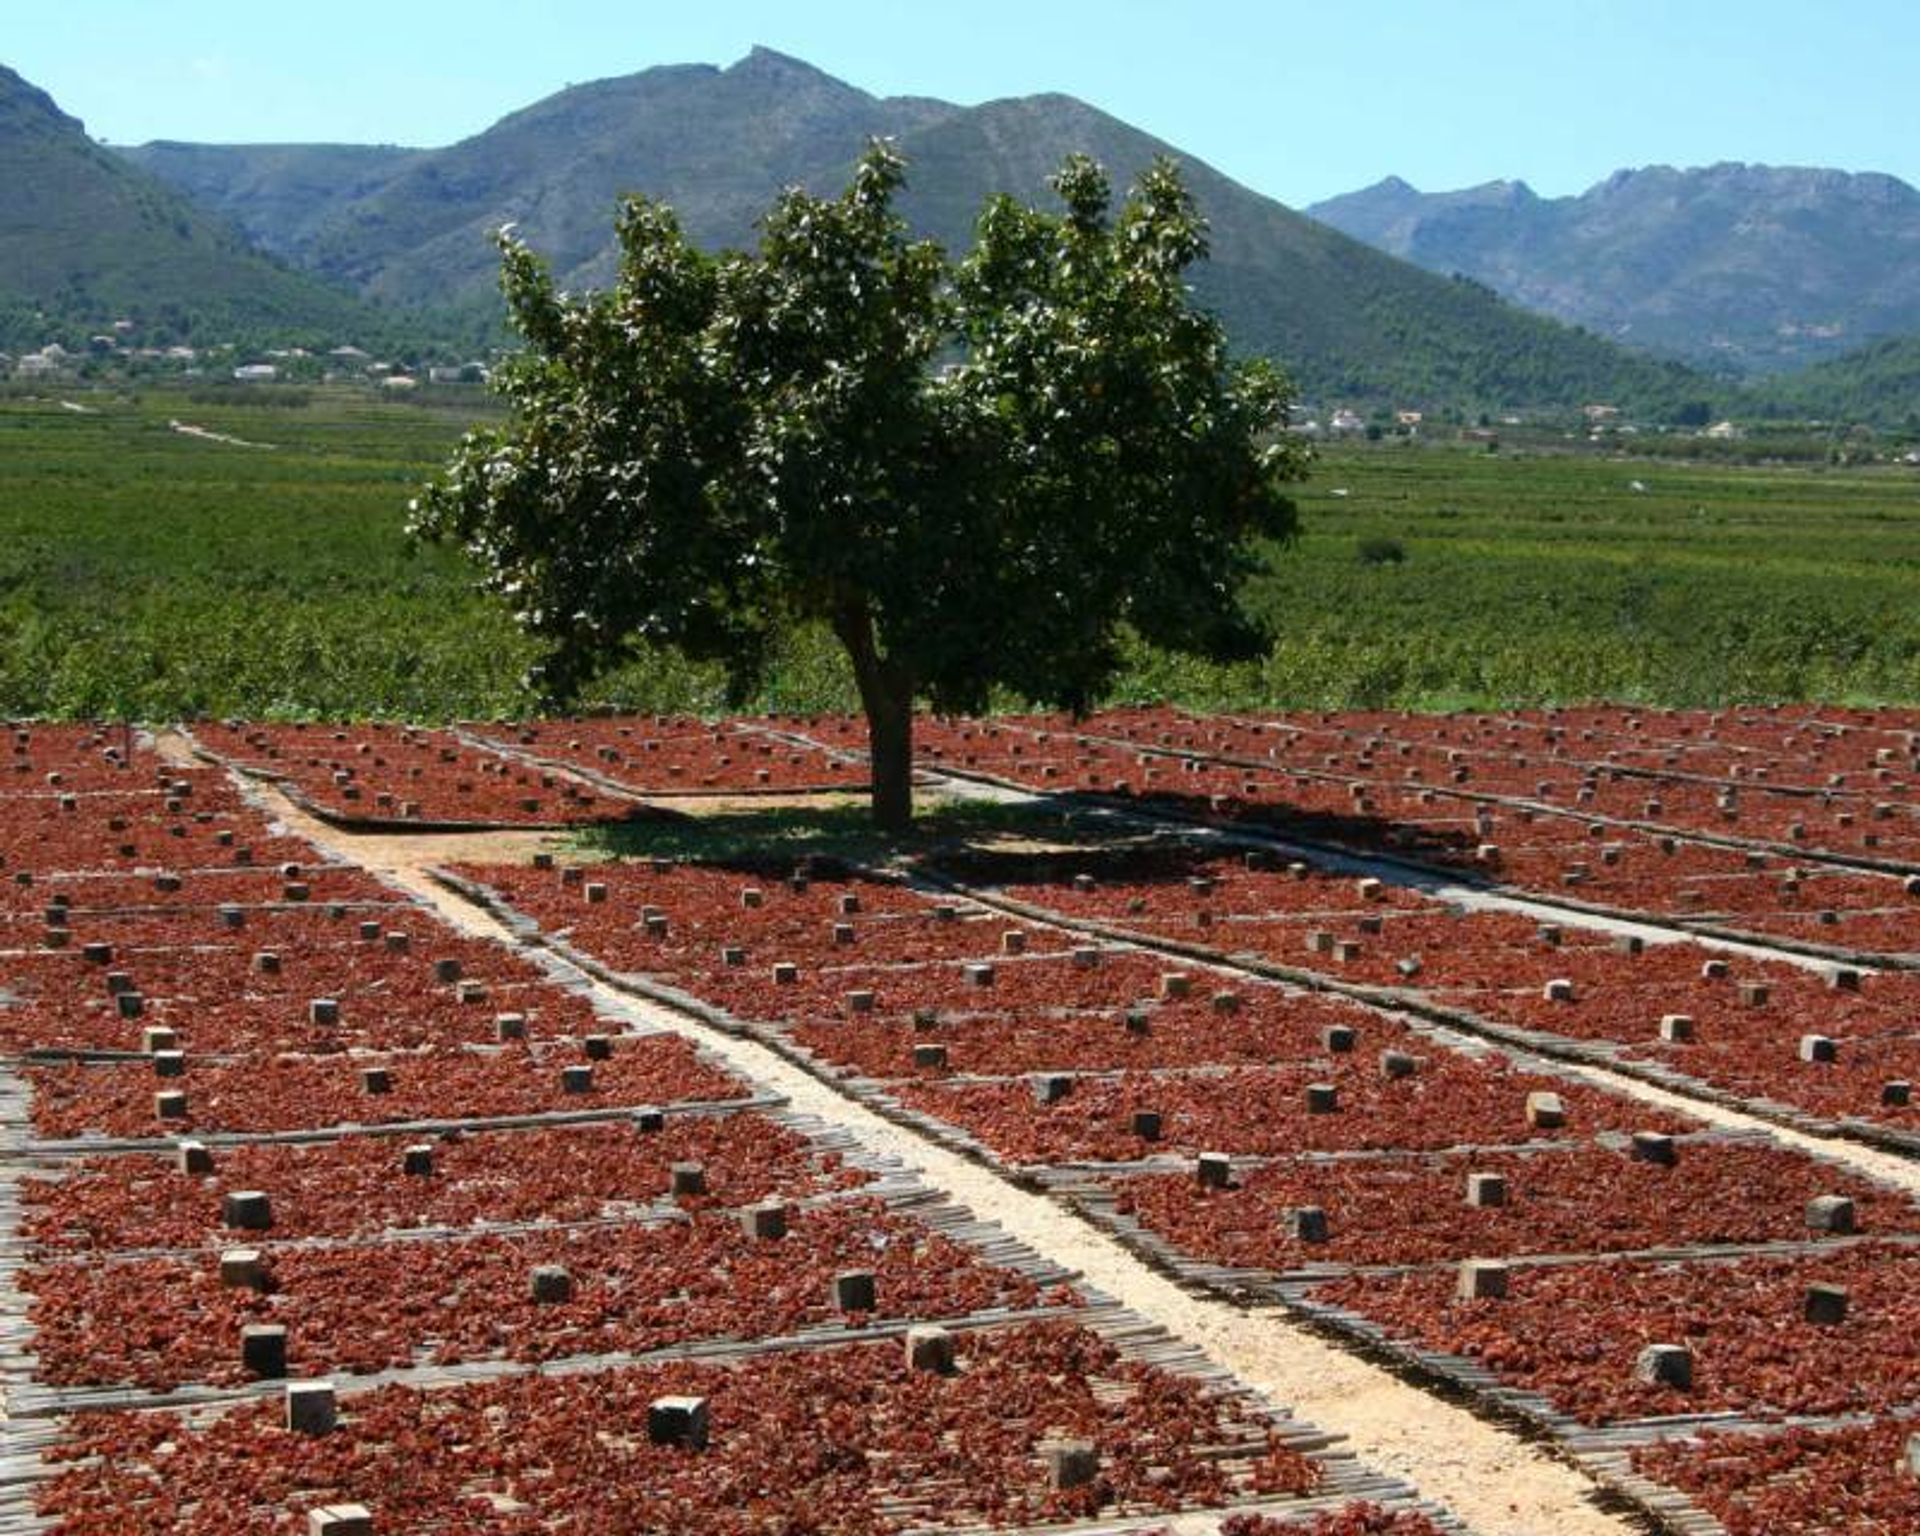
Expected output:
(666, 756)
(405, 776)
(1096, 1027)
(1546, 985)
(268, 1119)
(1798, 827)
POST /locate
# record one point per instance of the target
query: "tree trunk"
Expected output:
(886, 694)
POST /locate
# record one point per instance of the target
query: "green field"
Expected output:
(148, 573)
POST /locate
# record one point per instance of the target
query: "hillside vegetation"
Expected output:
(88, 239)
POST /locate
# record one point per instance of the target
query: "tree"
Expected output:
(978, 474)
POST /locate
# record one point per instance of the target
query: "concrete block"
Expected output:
(860, 1001)
(376, 1080)
(194, 1158)
(1086, 957)
(649, 1120)
(1546, 1111)
(1322, 1098)
(1050, 1087)
(1488, 1191)
(1226, 1002)
(416, 1161)
(311, 1408)
(1676, 1028)
(681, 1421)
(130, 1004)
(1174, 984)
(596, 891)
(685, 1180)
(1558, 990)
(1213, 1170)
(243, 1267)
(263, 1349)
(340, 1520)
(170, 1104)
(1825, 1305)
(169, 1063)
(550, 1284)
(1396, 1064)
(248, 1210)
(1482, 1280)
(1309, 1223)
(785, 973)
(1754, 994)
(1146, 1124)
(1665, 1365)
(577, 1078)
(323, 1010)
(510, 1026)
(767, 1220)
(1013, 942)
(853, 1290)
(930, 1348)
(1072, 1464)
(1655, 1147)
(1820, 1048)
(598, 1047)
(979, 973)
(930, 1056)
(1714, 970)
(1896, 1094)
(1830, 1213)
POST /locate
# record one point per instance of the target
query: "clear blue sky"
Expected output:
(1298, 100)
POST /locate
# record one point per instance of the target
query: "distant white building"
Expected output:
(400, 383)
(256, 373)
(42, 364)
(1344, 420)
(1724, 432)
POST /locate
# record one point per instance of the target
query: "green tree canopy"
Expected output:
(976, 473)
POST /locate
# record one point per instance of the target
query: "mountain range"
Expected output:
(1741, 268)
(87, 237)
(349, 240)
(413, 226)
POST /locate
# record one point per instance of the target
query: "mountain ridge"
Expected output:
(87, 239)
(719, 143)
(1749, 268)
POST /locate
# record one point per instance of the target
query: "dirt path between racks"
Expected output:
(1496, 1482)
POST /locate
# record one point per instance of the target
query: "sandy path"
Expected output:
(1497, 1483)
